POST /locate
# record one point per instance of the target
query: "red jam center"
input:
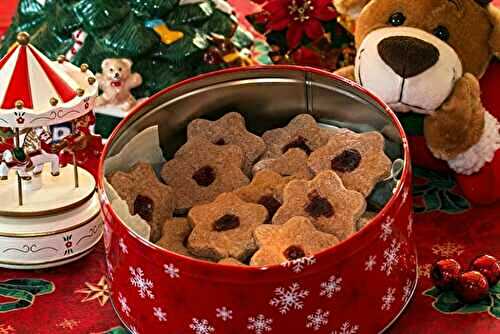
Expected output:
(300, 142)
(347, 161)
(144, 206)
(220, 142)
(226, 222)
(294, 253)
(318, 206)
(204, 176)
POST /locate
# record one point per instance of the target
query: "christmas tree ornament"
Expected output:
(445, 273)
(489, 267)
(471, 287)
(167, 36)
(39, 197)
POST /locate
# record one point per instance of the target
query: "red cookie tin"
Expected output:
(359, 286)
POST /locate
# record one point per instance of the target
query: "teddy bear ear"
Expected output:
(106, 63)
(494, 13)
(128, 62)
(350, 8)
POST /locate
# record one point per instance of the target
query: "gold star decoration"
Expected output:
(7, 329)
(99, 291)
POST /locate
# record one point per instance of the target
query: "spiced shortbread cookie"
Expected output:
(231, 262)
(229, 129)
(175, 233)
(224, 228)
(365, 219)
(358, 159)
(200, 171)
(325, 201)
(302, 132)
(265, 189)
(295, 239)
(145, 195)
(292, 163)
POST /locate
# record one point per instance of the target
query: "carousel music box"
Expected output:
(49, 212)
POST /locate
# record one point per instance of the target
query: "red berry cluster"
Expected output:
(470, 286)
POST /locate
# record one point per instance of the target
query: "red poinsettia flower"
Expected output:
(299, 16)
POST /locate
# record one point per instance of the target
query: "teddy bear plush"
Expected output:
(424, 59)
(115, 82)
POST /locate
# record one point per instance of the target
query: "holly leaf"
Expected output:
(433, 292)
(432, 200)
(482, 306)
(453, 203)
(495, 289)
(495, 311)
(447, 302)
(116, 330)
(34, 286)
(420, 189)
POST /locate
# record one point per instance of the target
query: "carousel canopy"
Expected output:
(35, 91)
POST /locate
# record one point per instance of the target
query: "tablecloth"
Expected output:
(75, 298)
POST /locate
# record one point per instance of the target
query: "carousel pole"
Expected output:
(19, 180)
(75, 163)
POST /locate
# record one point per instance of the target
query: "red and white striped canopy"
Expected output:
(35, 91)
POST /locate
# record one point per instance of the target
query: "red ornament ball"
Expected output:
(489, 267)
(444, 273)
(471, 287)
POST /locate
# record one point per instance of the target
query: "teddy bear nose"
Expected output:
(407, 56)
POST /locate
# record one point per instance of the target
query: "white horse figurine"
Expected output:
(29, 160)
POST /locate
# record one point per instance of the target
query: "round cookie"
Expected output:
(292, 163)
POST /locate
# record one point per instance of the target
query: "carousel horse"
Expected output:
(29, 160)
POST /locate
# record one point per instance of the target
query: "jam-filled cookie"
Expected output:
(200, 171)
(295, 239)
(325, 201)
(224, 228)
(145, 195)
(302, 132)
(292, 163)
(229, 129)
(358, 159)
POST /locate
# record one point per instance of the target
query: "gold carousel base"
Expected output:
(56, 224)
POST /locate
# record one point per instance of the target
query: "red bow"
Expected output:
(116, 83)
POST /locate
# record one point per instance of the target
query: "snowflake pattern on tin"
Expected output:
(123, 304)
(347, 328)
(123, 247)
(159, 314)
(201, 326)
(388, 299)
(224, 313)
(171, 270)
(259, 324)
(386, 228)
(407, 289)
(133, 330)
(330, 287)
(318, 319)
(391, 257)
(143, 285)
(370, 263)
(298, 265)
(286, 299)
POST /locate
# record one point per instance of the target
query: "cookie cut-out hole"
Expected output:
(144, 206)
(318, 206)
(271, 204)
(226, 222)
(204, 176)
(294, 253)
(347, 161)
(220, 142)
(300, 142)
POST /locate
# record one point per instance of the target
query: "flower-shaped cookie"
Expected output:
(145, 195)
(231, 262)
(265, 189)
(292, 163)
(175, 232)
(229, 129)
(200, 171)
(224, 228)
(302, 132)
(358, 159)
(295, 239)
(324, 200)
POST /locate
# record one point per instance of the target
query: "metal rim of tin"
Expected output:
(106, 204)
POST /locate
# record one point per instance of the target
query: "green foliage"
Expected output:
(100, 14)
(53, 44)
(219, 23)
(189, 14)
(62, 20)
(150, 9)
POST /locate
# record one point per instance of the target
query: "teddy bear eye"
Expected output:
(111, 70)
(397, 19)
(442, 33)
(120, 69)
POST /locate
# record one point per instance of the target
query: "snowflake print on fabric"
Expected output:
(159, 314)
(347, 328)
(259, 324)
(123, 304)
(407, 289)
(409, 227)
(388, 299)
(386, 228)
(330, 287)
(143, 285)
(298, 265)
(370, 262)
(171, 270)
(317, 319)
(424, 270)
(201, 326)
(391, 257)
(123, 247)
(287, 299)
(448, 249)
(224, 313)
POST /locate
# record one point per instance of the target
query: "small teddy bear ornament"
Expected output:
(116, 81)
(424, 59)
